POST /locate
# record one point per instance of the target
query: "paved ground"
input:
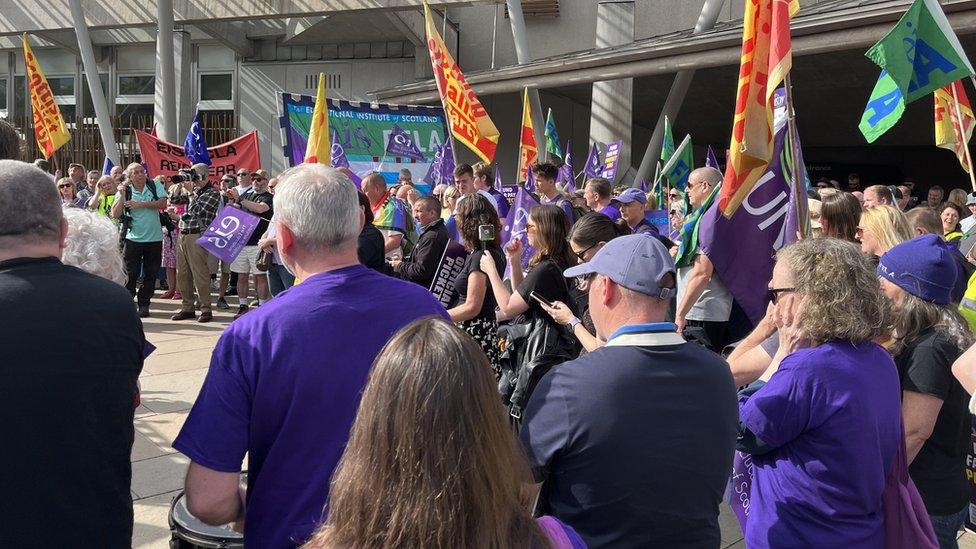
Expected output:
(170, 381)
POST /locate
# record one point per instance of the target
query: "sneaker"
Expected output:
(143, 311)
(254, 303)
(222, 304)
(178, 296)
(183, 315)
(241, 311)
(168, 294)
(205, 317)
(231, 291)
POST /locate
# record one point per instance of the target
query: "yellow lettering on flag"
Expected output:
(469, 122)
(319, 149)
(49, 127)
(528, 150)
(766, 59)
(949, 132)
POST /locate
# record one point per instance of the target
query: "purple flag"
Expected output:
(565, 174)
(433, 176)
(742, 248)
(228, 233)
(497, 184)
(710, 160)
(593, 165)
(447, 162)
(451, 264)
(339, 159)
(401, 144)
(610, 160)
(515, 225)
(740, 487)
(643, 185)
(530, 180)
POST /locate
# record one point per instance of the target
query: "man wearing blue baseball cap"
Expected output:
(632, 202)
(633, 442)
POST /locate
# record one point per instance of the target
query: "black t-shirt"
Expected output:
(939, 469)
(634, 444)
(263, 198)
(547, 280)
(472, 265)
(371, 248)
(72, 350)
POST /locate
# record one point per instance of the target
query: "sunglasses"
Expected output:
(675, 196)
(580, 255)
(243, 174)
(775, 292)
(257, 178)
(66, 185)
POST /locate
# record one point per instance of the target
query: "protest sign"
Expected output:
(611, 160)
(363, 131)
(659, 218)
(164, 158)
(452, 261)
(740, 487)
(228, 233)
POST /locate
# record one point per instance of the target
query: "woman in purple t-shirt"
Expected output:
(431, 460)
(823, 423)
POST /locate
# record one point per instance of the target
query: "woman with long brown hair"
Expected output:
(431, 461)
(839, 214)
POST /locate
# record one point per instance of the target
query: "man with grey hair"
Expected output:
(285, 380)
(67, 395)
(137, 204)
(192, 268)
(703, 300)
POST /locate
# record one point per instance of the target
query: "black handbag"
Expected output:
(264, 261)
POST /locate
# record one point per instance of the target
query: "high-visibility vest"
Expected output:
(967, 307)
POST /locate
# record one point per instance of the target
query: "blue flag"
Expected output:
(194, 146)
(107, 166)
(593, 166)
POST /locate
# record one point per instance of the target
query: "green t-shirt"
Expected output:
(145, 225)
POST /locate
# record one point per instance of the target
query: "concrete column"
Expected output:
(183, 69)
(522, 53)
(94, 83)
(165, 103)
(611, 109)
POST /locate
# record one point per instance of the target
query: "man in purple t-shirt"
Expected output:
(285, 380)
(598, 194)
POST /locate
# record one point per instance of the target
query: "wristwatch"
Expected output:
(573, 323)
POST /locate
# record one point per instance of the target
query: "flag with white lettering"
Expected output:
(450, 266)
(566, 175)
(228, 233)
(401, 144)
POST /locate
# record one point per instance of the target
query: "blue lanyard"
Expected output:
(654, 327)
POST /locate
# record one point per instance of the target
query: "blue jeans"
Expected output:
(947, 528)
(279, 279)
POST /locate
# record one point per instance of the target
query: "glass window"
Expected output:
(20, 96)
(3, 94)
(216, 87)
(135, 116)
(88, 109)
(67, 113)
(62, 85)
(137, 85)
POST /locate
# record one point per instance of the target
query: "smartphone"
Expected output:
(540, 299)
(486, 233)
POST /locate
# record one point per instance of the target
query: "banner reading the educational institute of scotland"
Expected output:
(363, 132)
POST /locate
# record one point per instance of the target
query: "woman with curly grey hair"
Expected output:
(818, 479)
(917, 276)
(92, 245)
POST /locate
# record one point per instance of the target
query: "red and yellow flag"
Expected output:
(766, 59)
(528, 151)
(49, 128)
(949, 133)
(469, 121)
(319, 149)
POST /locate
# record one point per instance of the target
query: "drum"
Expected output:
(188, 532)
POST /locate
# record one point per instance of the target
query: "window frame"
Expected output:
(217, 104)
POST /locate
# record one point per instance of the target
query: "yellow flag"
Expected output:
(950, 132)
(469, 121)
(49, 128)
(528, 149)
(319, 149)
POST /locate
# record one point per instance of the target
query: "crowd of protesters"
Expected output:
(591, 393)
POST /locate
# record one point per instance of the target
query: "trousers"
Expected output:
(193, 273)
(143, 258)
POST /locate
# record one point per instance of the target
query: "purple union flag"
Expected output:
(228, 233)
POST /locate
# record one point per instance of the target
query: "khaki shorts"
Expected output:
(247, 261)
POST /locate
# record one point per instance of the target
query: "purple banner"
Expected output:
(710, 160)
(515, 226)
(530, 180)
(740, 487)
(593, 165)
(742, 248)
(452, 261)
(401, 144)
(433, 176)
(565, 174)
(659, 218)
(610, 161)
(447, 162)
(339, 159)
(228, 233)
(510, 192)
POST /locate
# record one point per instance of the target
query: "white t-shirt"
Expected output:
(715, 303)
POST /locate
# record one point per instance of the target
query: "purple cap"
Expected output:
(637, 262)
(630, 195)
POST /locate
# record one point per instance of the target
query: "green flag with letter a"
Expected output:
(922, 53)
(884, 108)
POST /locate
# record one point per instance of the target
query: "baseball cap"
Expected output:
(632, 194)
(261, 173)
(637, 262)
(970, 199)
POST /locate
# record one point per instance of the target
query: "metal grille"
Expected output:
(538, 8)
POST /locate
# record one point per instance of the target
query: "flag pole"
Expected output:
(674, 157)
(962, 134)
(801, 207)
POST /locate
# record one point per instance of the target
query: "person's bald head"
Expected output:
(30, 209)
(924, 221)
(375, 187)
(701, 182)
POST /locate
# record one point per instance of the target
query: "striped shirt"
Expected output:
(202, 209)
